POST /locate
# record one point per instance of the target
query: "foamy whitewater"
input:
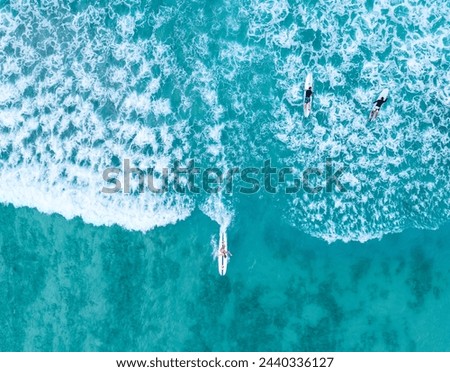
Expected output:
(85, 85)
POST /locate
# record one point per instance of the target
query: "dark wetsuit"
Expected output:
(309, 93)
(380, 102)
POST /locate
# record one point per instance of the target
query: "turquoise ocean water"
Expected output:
(87, 84)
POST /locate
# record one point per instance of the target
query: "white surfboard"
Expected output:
(221, 258)
(308, 106)
(374, 113)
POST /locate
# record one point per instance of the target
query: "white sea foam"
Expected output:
(217, 209)
(61, 142)
(77, 96)
(382, 157)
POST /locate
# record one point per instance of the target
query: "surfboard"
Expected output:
(308, 83)
(373, 115)
(222, 260)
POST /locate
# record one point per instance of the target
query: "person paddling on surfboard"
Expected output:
(379, 102)
(224, 252)
(308, 95)
(376, 109)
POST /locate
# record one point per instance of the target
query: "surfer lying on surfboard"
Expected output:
(308, 95)
(376, 109)
(223, 251)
